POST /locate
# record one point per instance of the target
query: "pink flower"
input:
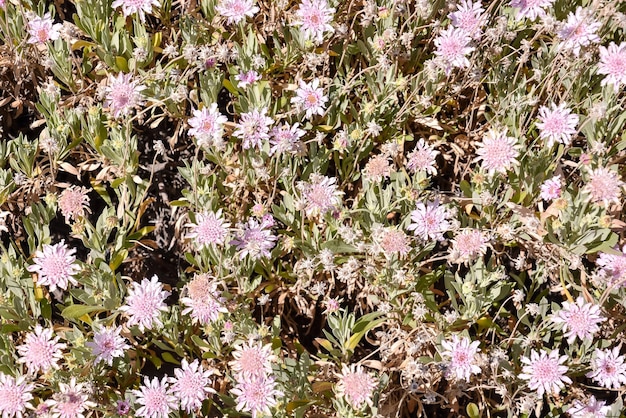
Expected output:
(130, 7)
(452, 47)
(462, 354)
(579, 319)
(314, 17)
(252, 359)
(254, 239)
(498, 152)
(207, 126)
(377, 168)
(247, 78)
(236, 10)
(286, 139)
(557, 124)
(551, 188)
(467, 246)
(319, 195)
(531, 9)
(430, 221)
(204, 301)
(310, 98)
(73, 203)
(71, 401)
(156, 399)
(42, 30)
(55, 266)
(144, 304)
(580, 30)
(613, 64)
(253, 128)
(356, 386)
(15, 396)
(392, 241)
(545, 372)
(614, 265)
(40, 352)
(422, 158)
(608, 368)
(190, 385)
(256, 394)
(468, 17)
(108, 344)
(123, 94)
(593, 408)
(604, 186)
(209, 229)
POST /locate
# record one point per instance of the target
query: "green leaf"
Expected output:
(76, 311)
(472, 410)
(169, 358)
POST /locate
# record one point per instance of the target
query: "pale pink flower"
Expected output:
(253, 127)
(255, 239)
(531, 9)
(422, 158)
(209, 229)
(314, 18)
(207, 126)
(319, 195)
(452, 49)
(236, 10)
(604, 186)
(551, 188)
(40, 351)
(252, 359)
(42, 29)
(392, 241)
(461, 353)
(613, 64)
(15, 396)
(608, 368)
(579, 319)
(579, 30)
(55, 266)
(310, 98)
(71, 401)
(256, 394)
(498, 152)
(156, 399)
(545, 372)
(593, 408)
(107, 344)
(356, 385)
(468, 245)
(204, 301)
(430, 221)
(191, 385)
(557, 124)
(377, 168)
(468, 17)
(73, 203)
(247, 79)
(141, 7)
(144, 304)
(123, 94)
(614, 265)
(286, 139)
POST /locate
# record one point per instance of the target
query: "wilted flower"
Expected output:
(55, 266)
(310, 98)
(42, 29)
(314, 17)
(40, 351)
(613, 64)
(107, 344)
(462, 354)
(144, 304)
(356, 385)
(236, 10)
(156, 399)
(578, 319)
(123, 94)
(545, 372)
(131, 7)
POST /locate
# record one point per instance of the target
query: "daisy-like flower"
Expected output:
(608, 368)
(532, 9)
(319, 195)
(468, 245)
(123, 94)
(498, 152)
(255, 239)
(461, 353)
(579, 319)
(73, 203)
(613, 64)
(579, 30)
(392, 241)
(15, 396)
(253, 128)
(156, 399)
(108, 344)
(42, 30)
(256, 394)
(422, 158)
(204, 301)
(545, 372)
(236, 10)
(247, 79)
(356, 386)
(604, 186)
(310, 98)
(144, 304)
(468, 17)
(252, 359)
(55, 266)
(377, 168)
(40, 351)
(207, 126)
(430, 221)
(557, 124)
(190, 385)
(71, 401)
(452, 49)
(551, 188)
(314, 18)
(131, 7)
(286, 139)
(614, 265)
(593, 408)
(209, 229)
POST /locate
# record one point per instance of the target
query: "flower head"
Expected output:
(391, 241)
(190, 385)
(286, 139)
(377, 168)
(310, 98)
(255, 239)
(144, 304)
(131, 7)
(209, 229)
(207, 126)
(551, 188)
(422, 158)
(468, 245)
(608, 368)
(236, 10)
(319, 195)
(42, 29)
(430, 221)
(356, 385)
(252, 359)
(452, 49)
(255, 394)
(204, 301)
(545, 372)
(531, 9)
(73, 202)
(462, 354)
(498, 152)
(253, 128)
(579, 319)
(108, 344)
(557, 124)
(604, 186)
(55, 266)
(247, 78)
(614, 266)
(156, 399)
(613, 64)
(123, 94)
(468, 17)
(314, 18)
(71, 400)
(579, 30)
(593, 408)
(40, 351)
(15, 396)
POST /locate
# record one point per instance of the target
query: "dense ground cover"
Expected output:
(312, 208)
